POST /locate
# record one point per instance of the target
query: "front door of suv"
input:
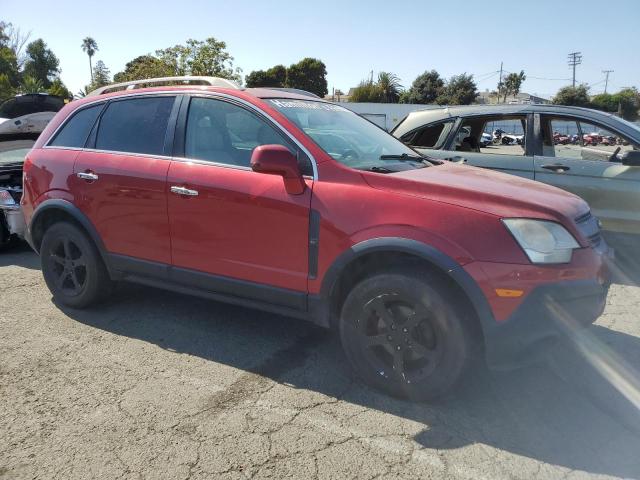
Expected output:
(234, 230)
(121, 178)
(466, 143)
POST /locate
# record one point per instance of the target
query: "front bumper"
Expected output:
(549, 312)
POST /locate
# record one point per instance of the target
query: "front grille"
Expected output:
(588, 226)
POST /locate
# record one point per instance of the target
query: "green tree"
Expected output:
(208, 57)
(628, 101)
(512, 84)
(367, 91)
(59, 89)
(144, 66)
(425, 89)
(101, 75)
(9, 65)
(8, 59)
(605, 102)
(7, 90)
(31, 85)
(389, 85)
(308, 74)
(41, 63)
(90, 47)
(274, 77)
(459, 90)
(574, 96)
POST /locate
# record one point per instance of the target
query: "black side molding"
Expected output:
(314, 242)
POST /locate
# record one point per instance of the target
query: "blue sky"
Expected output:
(353, 38)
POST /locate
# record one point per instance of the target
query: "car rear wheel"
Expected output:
(404, 333)
(72, 267)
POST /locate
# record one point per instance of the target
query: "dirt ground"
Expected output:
(159, 385)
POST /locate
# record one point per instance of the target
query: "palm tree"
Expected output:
(31, 85)
(90, 47)
(390, 86)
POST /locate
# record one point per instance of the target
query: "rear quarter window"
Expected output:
(75, 131)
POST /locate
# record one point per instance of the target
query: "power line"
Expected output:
(606, 79)
(575, 58)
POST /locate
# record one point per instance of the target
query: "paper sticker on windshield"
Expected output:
(306, 105)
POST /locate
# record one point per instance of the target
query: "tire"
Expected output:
(405, 334)
(72, 267)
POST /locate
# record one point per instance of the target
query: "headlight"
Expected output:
(542, 241)
(6, 199)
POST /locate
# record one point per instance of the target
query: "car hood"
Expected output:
(484, 190)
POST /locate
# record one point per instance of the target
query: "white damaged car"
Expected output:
(28, 114)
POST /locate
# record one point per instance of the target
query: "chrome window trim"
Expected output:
(196, 93)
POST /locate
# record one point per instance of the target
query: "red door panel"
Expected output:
(242, 224)
(127, 203)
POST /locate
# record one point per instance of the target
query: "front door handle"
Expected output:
(556, 167)
(88, 176)
(184, 191)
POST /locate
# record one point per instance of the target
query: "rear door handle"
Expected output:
(556, 167)
(89, 176)
(184, 191)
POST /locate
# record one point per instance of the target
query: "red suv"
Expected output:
(281, 201)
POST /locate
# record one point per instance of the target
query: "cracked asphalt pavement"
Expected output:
(159, 385)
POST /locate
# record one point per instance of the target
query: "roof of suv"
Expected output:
(422, 117)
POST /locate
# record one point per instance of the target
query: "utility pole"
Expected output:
(575, 58)
(606, 79)
(500, 83)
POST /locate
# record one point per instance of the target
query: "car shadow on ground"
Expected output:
(562, 413)
(21, 255)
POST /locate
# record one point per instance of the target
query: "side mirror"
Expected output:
(631, 158)
(278, 160)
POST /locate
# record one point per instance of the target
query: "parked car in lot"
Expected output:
(606, 173)
(292, 204)
(28, 113)
(12, 154)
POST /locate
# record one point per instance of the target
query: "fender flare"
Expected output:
(70, 209)
(440, 260)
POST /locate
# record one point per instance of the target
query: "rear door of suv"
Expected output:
(234, 230)
(120, 178)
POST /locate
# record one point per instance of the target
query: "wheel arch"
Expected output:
(387, 251)
(55, 210)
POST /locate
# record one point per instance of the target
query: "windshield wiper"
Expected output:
(380, 169)
(405, 157)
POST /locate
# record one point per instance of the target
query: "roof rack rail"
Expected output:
(187, 79)
(294, 90)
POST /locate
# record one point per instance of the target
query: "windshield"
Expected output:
(349, 138)
(14, 155)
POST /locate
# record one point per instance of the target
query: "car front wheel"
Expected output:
(405, 333)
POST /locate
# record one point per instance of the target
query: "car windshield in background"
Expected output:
(13, 156)
(349, 138)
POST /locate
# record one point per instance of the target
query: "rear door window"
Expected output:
(75, 131)
(137, 125)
